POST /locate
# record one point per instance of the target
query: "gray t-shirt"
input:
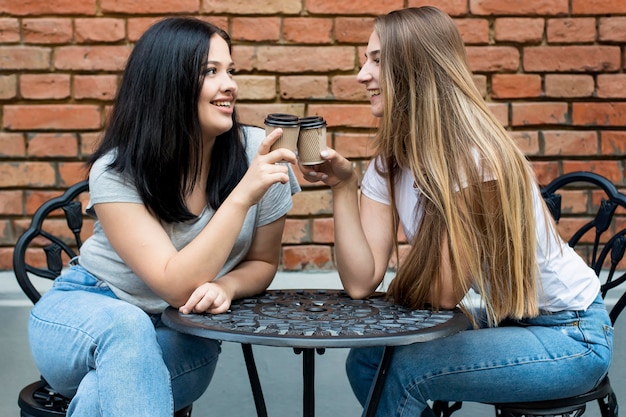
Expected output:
(107, 186)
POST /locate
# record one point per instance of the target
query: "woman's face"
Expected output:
(219, 91)
(369, 74)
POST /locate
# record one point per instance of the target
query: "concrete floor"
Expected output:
(229, 394)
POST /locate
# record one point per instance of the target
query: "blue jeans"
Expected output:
(111, 357)
(554, 355)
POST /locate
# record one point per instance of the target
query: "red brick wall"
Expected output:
(553, 71)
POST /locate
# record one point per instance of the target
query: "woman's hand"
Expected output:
(335, 172)
(267, 168)
(209, 297)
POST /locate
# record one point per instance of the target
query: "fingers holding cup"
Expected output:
(278, 154)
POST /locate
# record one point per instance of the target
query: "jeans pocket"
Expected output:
(608, 334)
(78, 278)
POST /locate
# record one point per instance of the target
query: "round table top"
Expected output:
(318, 319)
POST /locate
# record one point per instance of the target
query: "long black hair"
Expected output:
(154, 127)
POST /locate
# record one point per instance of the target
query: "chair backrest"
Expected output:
(594, 225)
(57, 247)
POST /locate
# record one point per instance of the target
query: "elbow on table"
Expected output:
(357, 293)
(175, 302)
(448, 302)
(177, 299)
(447, 305)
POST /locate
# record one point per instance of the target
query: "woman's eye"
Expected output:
(232, 71)
(210, 71)
(376, 60)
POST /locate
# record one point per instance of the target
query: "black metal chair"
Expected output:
(606, 245)
(58, 247)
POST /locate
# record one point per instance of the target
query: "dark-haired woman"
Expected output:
(190, 210)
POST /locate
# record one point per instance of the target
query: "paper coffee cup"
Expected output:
(290, 124)
(311, 140)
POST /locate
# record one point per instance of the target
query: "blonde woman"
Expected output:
(447, 173)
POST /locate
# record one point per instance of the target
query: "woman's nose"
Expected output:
(364, 75)
(229, 84)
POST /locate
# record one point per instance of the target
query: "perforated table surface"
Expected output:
(318, 319)
(310, 321)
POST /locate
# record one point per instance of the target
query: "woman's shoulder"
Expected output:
(102, 164)
(252, 135)
(107, 183)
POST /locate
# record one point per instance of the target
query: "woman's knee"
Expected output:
(129, 334)
(130, 322)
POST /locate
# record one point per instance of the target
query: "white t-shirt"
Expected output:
(106, 185)
(567, 282)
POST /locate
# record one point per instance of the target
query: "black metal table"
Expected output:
(310, 321)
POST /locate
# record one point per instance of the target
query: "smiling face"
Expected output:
(370, 72)
(219, 90)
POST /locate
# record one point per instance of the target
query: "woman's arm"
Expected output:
(252, 276)
(455, 284)
(142, 243)
(363, 236)
(363, 241)
(449, 296)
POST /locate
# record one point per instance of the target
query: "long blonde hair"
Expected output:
(436, 123)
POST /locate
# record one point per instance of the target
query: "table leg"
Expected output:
(379, 382)
(255, 383)
(308, 377)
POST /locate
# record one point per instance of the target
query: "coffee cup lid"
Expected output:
(282, 119)
(312, 122)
